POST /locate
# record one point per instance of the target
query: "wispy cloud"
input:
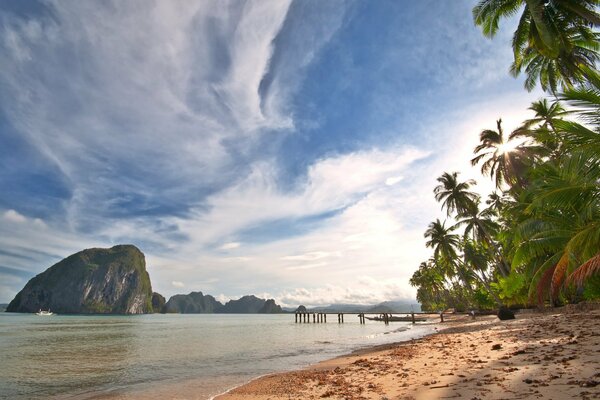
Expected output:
(285, 145)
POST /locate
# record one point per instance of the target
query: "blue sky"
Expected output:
(285, 148)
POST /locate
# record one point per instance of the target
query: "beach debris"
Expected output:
(505, 314)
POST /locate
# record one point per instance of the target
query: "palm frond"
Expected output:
(585, 271)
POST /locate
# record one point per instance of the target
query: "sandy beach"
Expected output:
(553, 355)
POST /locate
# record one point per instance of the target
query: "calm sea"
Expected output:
(168, 356)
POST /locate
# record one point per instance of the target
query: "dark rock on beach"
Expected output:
(505, 314)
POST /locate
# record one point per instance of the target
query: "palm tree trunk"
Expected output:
(503, 267)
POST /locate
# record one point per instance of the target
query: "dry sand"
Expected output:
(549, 356)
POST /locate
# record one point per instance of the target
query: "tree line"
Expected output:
(536, 238)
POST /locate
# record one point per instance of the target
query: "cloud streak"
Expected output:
(290, 147)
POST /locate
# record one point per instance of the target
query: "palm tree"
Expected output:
(542, 127)
(504, 162)
(586, 99)
(553, 41)
(480, 228)
(567, 69)
(563, 230)
(431, 291)
(495, 202)
(455, 195)
(442, 240)
(475, 257)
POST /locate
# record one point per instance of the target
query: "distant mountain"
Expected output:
(193, 303)
(3, 307)
(270, 307)
(198, 303)
(92, 281)
(399, 306)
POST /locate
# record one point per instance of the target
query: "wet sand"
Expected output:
(551, 356)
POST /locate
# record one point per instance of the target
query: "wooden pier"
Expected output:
(321, 317)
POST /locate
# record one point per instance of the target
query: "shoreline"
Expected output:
(552, 354)
(367, 349)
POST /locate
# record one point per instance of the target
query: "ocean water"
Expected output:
(168, 356)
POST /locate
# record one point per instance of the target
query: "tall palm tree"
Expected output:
(502, 161)
(475, 257)
(429, 281)
(553, 41)
(480, 227)
(442, 240)
(455, 195)
(495, 202)
(542, 127)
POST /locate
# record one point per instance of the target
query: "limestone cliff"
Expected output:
(193, 303)
(93, 281)
(198, 303)
(270, 307)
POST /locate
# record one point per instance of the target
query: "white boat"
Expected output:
(44, 313)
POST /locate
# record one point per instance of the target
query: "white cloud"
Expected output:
(13, 216)
(230, 246)
(177, 284)
(393, 180)
(365, 290)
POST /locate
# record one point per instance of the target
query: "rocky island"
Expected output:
(92, 281)
(199, 303)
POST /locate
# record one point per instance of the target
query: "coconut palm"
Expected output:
(480, 227)
(566, 70)
(505, 162)
(442, 240)
(495, 202)
(455, 195)
(553, 41)
(541, 129)
(563, 230)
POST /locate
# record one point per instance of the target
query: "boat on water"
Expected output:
(44, 313)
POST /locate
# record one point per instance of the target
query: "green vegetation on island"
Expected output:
(536, 239)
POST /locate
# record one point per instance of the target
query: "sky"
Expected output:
(286, 149)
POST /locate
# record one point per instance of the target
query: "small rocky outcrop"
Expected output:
(244, 305)
(92, 281)
(301, 309)
(158, 303)
(270, 307)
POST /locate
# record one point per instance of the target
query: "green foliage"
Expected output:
(554, 43)
(513, 289)
(483, 300)
(591, 289)
(539, 238)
